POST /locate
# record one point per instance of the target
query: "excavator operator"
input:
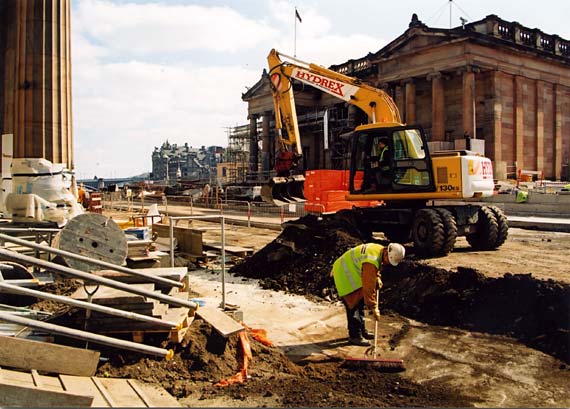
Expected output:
(381, 165)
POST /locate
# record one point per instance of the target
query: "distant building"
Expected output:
(171, 162)
(505, 85)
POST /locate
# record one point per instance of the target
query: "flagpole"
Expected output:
(295, 40)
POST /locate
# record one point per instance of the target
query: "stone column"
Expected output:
(37, 79)
(500, 168)
(540, 125)
(253, 147)
(519, 123)
(410, 102)
(400, 99)
(558, 104)
(437, 107)
(469, 102)
(265, 149)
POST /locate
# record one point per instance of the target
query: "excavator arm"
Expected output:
(283, 69)
(377, 105)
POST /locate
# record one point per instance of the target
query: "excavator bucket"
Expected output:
(284, 190)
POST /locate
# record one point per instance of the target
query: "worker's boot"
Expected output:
(359, 341)
(367, 334)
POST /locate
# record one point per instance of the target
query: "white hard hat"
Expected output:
(396, 253)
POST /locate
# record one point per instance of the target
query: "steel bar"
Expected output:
(10, 255)
(14, 289)
(88, 336)
(28, 229)
(63, 253)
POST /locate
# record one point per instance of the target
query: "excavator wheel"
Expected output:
(449, 230)
(486, 235)
(502, 226)
(398, 234)
(428, 233)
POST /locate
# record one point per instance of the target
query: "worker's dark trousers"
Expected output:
(355, 318)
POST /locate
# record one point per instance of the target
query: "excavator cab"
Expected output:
(390, 160)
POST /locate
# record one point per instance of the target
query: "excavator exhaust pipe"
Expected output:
(284, 190)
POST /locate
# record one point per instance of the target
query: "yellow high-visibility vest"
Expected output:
(347, 269)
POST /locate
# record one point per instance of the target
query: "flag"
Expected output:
(298, 16)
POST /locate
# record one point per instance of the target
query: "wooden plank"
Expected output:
(237, 250)
(157, 395)
(51, 382)
(225, 325)
(30, 396)
(109, 296)
(46, 357)
(16, 377)
(78, 384)
(140, 393)
(122, 393)
(174, 274)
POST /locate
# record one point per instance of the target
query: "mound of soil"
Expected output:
(299, 260)
(205, 358)
(536, 312)
(533, 311)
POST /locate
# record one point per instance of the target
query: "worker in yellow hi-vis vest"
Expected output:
(357, 275)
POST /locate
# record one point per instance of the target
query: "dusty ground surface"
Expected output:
(474, 328)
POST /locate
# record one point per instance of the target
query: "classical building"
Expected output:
(35, 79)
(505, 85)
(171, 162)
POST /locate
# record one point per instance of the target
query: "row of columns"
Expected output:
(37, 80)
(405, 96)
(406, 101)
(266, 143)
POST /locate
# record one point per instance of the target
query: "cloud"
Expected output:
(144, 73)
(142, 29)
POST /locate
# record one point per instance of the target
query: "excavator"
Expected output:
(394, 184)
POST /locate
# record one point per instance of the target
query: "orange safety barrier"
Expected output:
(259, 334)
(245, 355)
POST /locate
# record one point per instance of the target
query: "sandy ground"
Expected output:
(489, 370)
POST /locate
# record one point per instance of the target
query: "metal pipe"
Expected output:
(10, 255)
(223, 239)
(105, 264)
(171, 236)
(222, 218)
(83, 335)
(27, 229)
(14, 289)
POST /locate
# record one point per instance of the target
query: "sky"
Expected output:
(148, 71)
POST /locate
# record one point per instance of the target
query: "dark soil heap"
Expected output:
(299, 260)
(205, 358)
(536, 312)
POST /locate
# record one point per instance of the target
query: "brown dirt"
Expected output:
(533, 311)
(205, 358)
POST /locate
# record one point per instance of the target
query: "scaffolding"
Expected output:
(237, 155)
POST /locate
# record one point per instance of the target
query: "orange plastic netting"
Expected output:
(245, 355)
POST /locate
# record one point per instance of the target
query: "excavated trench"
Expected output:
(535, 312)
